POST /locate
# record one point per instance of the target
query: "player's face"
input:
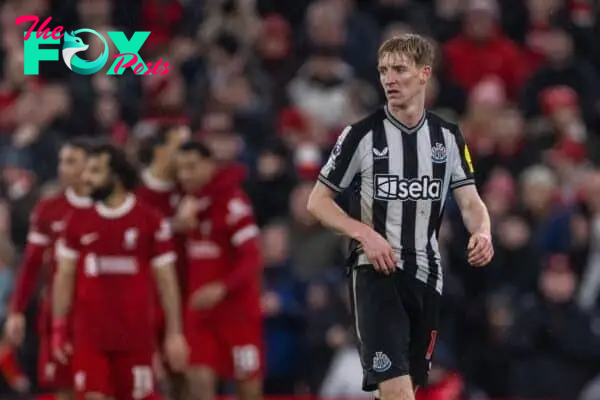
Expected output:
(193, 171)
(176, 138)
(401, 78)
(98, 178)
(71, 163)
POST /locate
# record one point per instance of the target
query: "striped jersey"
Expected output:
(402, 176)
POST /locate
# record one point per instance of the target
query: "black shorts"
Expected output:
(396, 319)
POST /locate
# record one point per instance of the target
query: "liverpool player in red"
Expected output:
(46, 225)
(223, 321)
(159, 187)
(114, 250)
(160, 190)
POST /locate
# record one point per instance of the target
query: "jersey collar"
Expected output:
(113, 213)
(156, 184)
(77, 201)
(398, 124)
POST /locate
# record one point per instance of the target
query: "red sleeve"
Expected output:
(163, 248)
(69, 245)
(38, 241)
(240, 221)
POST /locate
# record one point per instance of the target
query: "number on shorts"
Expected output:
(143, 381)
(245, 358)
(431, 346)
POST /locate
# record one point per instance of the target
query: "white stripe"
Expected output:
(244, 234)
(362, 259)
(356, 324)
(164, 260)
(62, 251)
(439, 285)
(393, 223)
(38, 238)
(366, 181)
(449, 141)
(423, 207)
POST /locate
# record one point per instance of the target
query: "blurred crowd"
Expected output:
(271, 83)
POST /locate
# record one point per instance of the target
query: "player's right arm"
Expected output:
(163, 265)
(343, 165)
(38, 242)
(68, 252)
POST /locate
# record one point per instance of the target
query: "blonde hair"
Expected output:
(418, 48)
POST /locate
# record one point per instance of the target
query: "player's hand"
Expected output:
(186, 212)
(208, 296)
(184, 219)
(176, 351)
(378, 251)
(61, 348)
(14, 329)
(480, 249)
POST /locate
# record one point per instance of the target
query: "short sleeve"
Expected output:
(240, 221)
(462, 167)
(163, 247)
(69, 244)
(344, 161)
(39, 230)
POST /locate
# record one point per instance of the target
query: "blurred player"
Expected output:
(159, 189)
(46, 225)
(113, 250)
(223, 320)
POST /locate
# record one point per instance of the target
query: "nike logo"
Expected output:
(89, 238)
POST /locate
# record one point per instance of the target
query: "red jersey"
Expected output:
(165, 196)
(46, 224)
(224, 247)
(114, 304)
(162, 195)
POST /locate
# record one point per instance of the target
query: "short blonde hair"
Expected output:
(418, 48)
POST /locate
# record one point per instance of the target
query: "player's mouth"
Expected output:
(392, 92)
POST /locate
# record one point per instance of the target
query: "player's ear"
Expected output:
(426, 72)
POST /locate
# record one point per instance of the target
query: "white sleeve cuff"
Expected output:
(38, 238)
(244, 234)
(62, 251)
(163, 260)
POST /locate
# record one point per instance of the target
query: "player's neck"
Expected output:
(78, 190)
(409, 115)
(160, 171)
(116, 199)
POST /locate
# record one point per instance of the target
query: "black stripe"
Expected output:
(409, 207)
(344, 152)
(381, 165)
(355, 212)
(461, 146)
(438, 172)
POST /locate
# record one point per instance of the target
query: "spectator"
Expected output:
(482, 50)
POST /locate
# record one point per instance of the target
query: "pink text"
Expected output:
(55, 34)
(138, 69)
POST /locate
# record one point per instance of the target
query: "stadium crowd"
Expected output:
(270, 83)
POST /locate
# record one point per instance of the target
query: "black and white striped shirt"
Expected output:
(402, 177)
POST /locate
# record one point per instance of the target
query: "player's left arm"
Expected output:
(474, 212)
(244, 238)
